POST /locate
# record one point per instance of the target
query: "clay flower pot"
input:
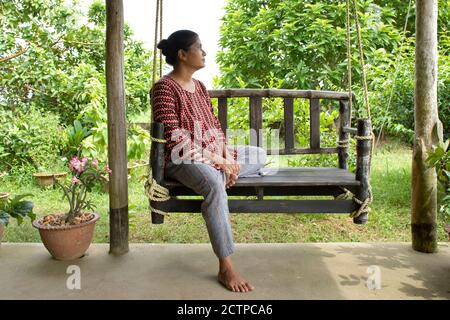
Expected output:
(46, 179)
(67, 242)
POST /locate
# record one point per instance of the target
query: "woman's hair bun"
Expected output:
(163, 45)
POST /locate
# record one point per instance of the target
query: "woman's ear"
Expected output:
(182, 55)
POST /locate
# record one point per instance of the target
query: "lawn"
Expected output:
(389, 219)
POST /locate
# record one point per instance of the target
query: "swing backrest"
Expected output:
(256, 116)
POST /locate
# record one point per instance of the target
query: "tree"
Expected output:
(50, 57)
(301, 45)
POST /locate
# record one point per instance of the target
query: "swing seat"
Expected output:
(290, 177)
(328, 184)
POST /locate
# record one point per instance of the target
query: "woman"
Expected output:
(207, 165)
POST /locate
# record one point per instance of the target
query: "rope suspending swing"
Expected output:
(153, 190)
(363, 204)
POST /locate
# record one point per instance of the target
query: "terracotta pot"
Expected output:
(46, 179)
(67, 242)
(4, 196)
(2, 230)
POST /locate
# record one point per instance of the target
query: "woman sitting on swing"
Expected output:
(207, 165)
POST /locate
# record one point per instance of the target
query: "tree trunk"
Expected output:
(117, 144)
(424, 193)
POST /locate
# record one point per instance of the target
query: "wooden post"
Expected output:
(289, 133)
(314, 128)
(157, 165)
(426, 127)
(117, 143)
(223, 114)
(344, 121)
(363, 165)
(255, 121)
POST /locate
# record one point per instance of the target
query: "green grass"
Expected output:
(389, 219)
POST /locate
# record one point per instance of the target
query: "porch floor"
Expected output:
(188, 271)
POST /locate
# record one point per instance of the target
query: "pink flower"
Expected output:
(83, 164)
(108, 169)
(75, 164)
(95, 163)
(75, 180)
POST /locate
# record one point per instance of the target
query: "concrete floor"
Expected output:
(188, 271)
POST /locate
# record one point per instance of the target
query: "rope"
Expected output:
(363, 204)
(156, 192)
(160, 35)
(396, 71)
(361, 59)
(153, 190)
(155, 42)
(158, 140)
(349, 58)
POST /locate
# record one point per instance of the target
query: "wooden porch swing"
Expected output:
(351, 192)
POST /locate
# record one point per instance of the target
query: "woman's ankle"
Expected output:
(225, 264)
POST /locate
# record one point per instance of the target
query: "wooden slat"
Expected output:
(279, 93)
(314, 129)
(255, 121)
(223, 113)
(284, 177)
(344, 122)
(240, 190)
(286, 181)
(157, 163)
(265, 206)
(289, 124)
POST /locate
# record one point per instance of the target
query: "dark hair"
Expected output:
(181, 39)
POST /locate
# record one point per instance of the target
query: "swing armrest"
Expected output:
(350, 130)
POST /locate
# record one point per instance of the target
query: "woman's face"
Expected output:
(195, 56)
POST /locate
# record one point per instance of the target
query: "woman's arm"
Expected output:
(164, 111)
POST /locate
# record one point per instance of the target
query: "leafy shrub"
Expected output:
(31, 140)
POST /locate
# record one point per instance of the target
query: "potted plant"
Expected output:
(45, 179)
(68, 235)
(16, 208)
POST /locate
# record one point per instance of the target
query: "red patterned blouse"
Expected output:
(188, 120)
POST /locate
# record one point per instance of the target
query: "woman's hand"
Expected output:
(231, 169)
(230, 166)
(230, 179)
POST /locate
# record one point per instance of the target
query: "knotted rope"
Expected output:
(363, 204)
(153, 190)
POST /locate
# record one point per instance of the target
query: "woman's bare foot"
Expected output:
(231, 279)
